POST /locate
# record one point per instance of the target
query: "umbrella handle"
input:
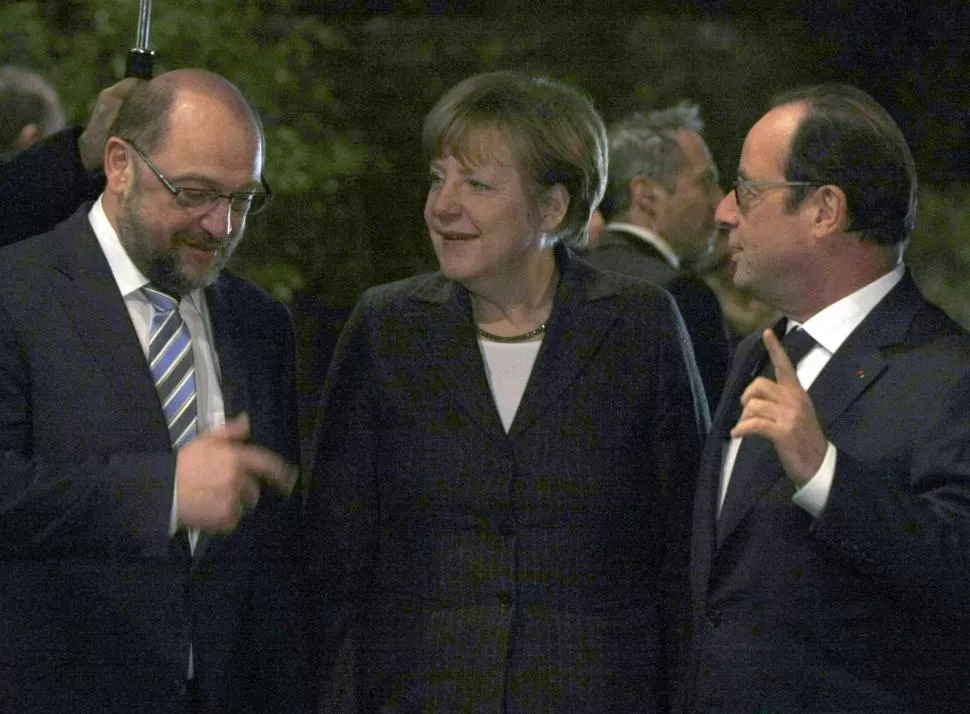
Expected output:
(140, 63)
(140, 57)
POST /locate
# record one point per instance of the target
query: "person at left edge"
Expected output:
(506, 447)
(30, 109)
(138, 576)
(44, 184)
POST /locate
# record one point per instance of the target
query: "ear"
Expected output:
(831, 211)
(118, 166)
(555, 203)
(647, 198)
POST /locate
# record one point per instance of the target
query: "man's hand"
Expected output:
(782, 412)
(220, 477)
(95, 135)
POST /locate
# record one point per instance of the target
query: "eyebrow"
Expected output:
(213, 184)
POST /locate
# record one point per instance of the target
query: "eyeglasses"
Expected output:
(746, 191)
(241, 203)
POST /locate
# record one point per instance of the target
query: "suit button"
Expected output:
(713, 617)
(505, 600)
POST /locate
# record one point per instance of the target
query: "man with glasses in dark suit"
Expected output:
(148, 433)
(831, 526)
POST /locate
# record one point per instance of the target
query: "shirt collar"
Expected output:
(648, 236)
(129, 278)
(833, 325)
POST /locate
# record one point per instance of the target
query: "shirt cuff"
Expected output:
(813, 496)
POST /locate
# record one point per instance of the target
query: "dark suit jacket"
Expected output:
(474, 570)
(43, 185)
(96, 610)
(867, 608)
(626, 253)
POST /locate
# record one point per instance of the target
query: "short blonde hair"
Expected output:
(553, 131)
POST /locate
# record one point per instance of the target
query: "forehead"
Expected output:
(481, 148)
(210, 138)
(765, 152)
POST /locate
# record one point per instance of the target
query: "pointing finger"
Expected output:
(784, 369)
(269, 468)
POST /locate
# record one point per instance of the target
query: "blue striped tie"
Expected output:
(172, 366)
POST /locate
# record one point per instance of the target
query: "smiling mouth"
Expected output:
(457, 236)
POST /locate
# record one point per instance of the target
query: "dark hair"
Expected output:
(26, 98)
(645, 144)
(847, 139)
(555, 135)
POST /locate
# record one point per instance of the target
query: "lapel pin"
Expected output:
(861, 373)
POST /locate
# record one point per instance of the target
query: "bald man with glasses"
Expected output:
(149, 529)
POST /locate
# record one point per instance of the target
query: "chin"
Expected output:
(455, 269)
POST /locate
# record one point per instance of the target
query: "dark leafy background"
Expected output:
(343, 86)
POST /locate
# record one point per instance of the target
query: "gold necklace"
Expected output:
(513, 338)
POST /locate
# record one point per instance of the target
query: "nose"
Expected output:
(443, 200)
(726, 214)
(219, 220)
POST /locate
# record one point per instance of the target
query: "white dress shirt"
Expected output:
(829, 328)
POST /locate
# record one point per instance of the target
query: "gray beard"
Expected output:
(163, 267)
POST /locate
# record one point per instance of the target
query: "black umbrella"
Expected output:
(141, 55)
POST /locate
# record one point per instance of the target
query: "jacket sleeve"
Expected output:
(909, 528)
(43, 185)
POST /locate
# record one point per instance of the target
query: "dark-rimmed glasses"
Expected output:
(241, 203)
(746, 190)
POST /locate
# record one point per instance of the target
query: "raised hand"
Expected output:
(782, 412)
(95, 135)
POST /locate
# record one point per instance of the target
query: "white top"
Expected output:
(830, 328)
(507, 368)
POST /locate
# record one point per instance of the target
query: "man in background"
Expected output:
(659, 210)
(29, 110)
(45, 179)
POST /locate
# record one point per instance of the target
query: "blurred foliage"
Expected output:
(939, 254)
(343, 94)
(343, 87)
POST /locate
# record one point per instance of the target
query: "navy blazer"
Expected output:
(623, 252)
(477, 570)
(96, 610)
(866, 608)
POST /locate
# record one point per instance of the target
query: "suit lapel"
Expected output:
(576, 327)
(860, 360)
(85, 288)
(233, 379)
(443, 330)
(233, 375)
(749, 357)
